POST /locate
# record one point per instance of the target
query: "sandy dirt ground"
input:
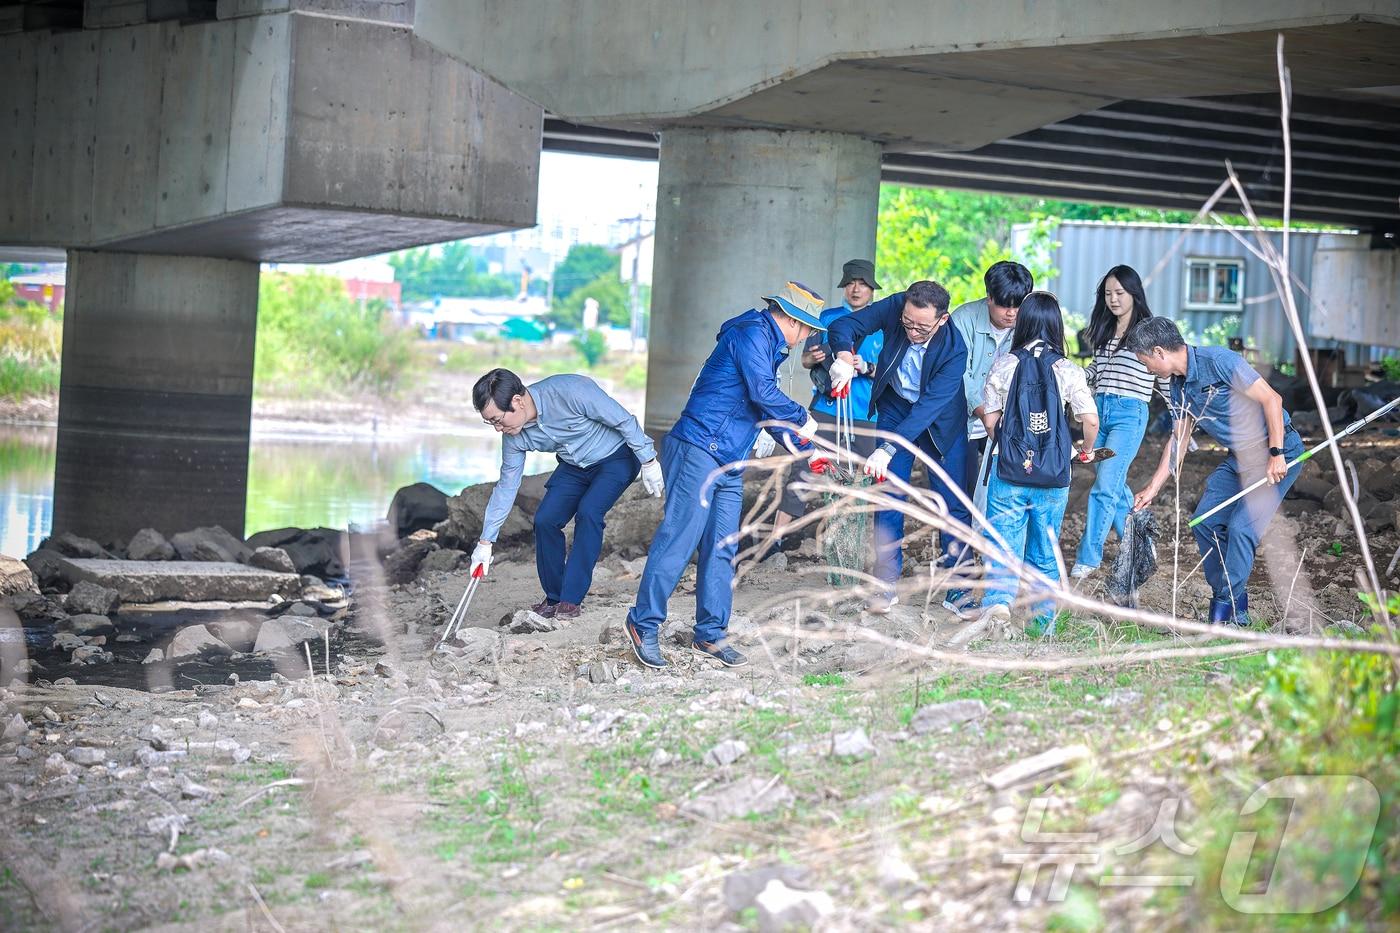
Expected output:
(545, 781)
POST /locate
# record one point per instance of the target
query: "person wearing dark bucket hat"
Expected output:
(737, 388)
(859, 270)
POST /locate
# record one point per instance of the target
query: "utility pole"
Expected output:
(634, 289)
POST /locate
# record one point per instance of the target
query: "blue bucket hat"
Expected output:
(800, 302)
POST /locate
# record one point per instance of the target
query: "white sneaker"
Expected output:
(1081, 571)
(996, 613)
(882, 604)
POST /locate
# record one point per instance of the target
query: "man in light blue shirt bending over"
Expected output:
(601, 449)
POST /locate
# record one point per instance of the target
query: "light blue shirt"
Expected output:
(579, 422)
(908, 381)
(983, 345)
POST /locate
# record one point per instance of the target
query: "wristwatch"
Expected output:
(1275, 451)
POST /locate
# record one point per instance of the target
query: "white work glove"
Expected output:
(652, 480)
(878, 464)
(841, 374)
(481, 557)
(809, 429)
(764, 446)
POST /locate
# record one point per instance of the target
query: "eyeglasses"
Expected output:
(496, 422)
(915, 328)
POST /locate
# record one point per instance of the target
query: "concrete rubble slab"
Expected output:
(188, 581)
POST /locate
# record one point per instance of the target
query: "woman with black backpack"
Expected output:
(1024, 405)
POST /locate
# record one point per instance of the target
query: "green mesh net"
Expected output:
(846, 540)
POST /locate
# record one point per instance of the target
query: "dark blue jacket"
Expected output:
(737, 388)
(942, 406)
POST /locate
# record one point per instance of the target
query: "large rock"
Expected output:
(466, 514)
(1374, 513)
(88, 598)
(71, 545)
(284, 632)
(193, 581)
(149, 544)
(417, 508)
(783, 908)
(318, 551)
(194, 640)
(272, 558)
(238, 634)
(48, 569)
(632, 521)
(88, 624)
(442, 561)
(211, 544)
(402, 565)
(16, 577)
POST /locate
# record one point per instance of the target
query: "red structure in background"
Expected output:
(365, 290)
(45, 288)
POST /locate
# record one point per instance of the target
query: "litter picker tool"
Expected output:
(463, 604)
(1302, 458)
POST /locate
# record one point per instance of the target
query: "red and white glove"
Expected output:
(877, 465)
(481, 558)
(841, 373)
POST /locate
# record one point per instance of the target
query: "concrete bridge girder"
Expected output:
(286, 137)
(942, 74)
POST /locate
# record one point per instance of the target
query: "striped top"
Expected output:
(1119, 373)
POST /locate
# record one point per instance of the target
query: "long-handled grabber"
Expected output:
(1302, 458)
(463, 604)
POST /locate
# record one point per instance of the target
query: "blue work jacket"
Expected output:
(737, 388)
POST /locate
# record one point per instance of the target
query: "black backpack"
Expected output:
(1033, 434)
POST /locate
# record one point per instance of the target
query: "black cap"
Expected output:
(862, 269)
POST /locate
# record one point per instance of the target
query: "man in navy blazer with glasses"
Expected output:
(918, 395)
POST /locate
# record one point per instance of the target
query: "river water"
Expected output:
(295, 478)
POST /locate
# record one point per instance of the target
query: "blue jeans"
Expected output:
(700, 515)
(1024, 516)
(1122, 422)
(1228, 538)
(889, 524)
(583, 496)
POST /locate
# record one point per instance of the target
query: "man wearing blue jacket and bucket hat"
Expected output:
(737, 388)
(918, 394)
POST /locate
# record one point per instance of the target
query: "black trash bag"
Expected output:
(1137, 558)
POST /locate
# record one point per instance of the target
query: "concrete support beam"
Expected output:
(156, 394)
(286, 137)
(738, 212)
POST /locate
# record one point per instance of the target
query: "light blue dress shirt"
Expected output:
(578, 421)
(911, 367)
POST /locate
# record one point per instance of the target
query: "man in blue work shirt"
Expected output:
(737, 388)
(918, 394)
(1216, 390)
(858, 287)
(600, 447)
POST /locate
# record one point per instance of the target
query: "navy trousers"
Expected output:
(583, 496)
(889, 525)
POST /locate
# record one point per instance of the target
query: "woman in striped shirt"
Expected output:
(1122, 388)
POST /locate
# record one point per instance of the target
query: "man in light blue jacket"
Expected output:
(601, 448)
(737, 388)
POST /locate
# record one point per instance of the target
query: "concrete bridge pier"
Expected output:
(156, 392)
(738, 212)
